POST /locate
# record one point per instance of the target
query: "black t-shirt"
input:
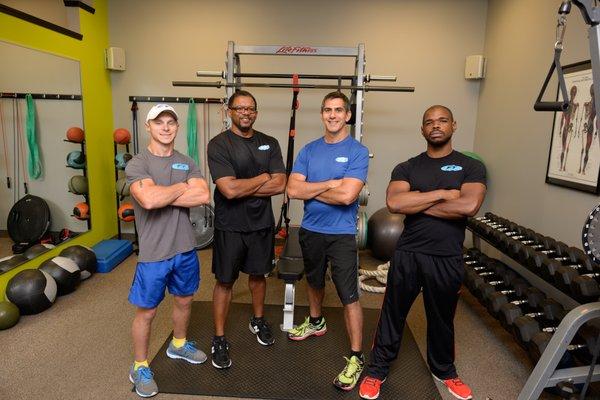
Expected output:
(432, 235)
(243, 158)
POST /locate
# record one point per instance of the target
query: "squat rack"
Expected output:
(358, 82)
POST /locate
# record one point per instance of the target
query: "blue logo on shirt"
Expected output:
(264, 147)
(181, 167)
(451, 168)
(342, 159)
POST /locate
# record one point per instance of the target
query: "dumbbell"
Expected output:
(514, 309)
(540, 244)
(517, 295)
(485, 290)
(512, 244)
(561, 252)
(525, 326)
(471, 254)
(502, 279)
(575, 258)
(582, 346)
(585, 288)
(486, 268)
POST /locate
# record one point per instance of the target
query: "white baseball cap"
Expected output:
(161, 108)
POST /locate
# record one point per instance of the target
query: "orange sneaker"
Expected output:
(369, 388)
(457, 387)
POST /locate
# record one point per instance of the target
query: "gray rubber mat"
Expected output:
(287, 369)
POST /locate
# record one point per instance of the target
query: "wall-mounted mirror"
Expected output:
(23, 71)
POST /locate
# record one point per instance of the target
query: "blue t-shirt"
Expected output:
(320, 161)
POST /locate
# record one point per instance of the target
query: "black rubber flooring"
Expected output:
(287, 369)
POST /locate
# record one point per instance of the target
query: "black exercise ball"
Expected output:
(384, 230)
(32, 291)
(37, 249)
(8, 263)
(84, 257)
(9, 315)
(64, 271)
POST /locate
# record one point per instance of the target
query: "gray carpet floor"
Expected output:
(81, 347)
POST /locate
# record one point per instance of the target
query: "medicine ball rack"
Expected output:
(545, 374)
(86, 196)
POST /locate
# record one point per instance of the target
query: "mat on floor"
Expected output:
(287, 369)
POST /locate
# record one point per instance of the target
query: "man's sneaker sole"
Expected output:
(138, 393)
(317, 333)
(451, 392)
(221, 367)
(257, 338)
(178, 357)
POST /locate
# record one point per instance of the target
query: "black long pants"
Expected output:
(440, 278)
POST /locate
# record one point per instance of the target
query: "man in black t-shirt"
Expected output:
(437, 190)
(247, 169)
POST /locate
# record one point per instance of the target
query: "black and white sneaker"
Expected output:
(261, 329)
(220, 353)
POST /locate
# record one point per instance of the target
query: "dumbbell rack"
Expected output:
(545, 373)
(84, 170)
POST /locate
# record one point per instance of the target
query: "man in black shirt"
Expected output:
(437, 190)
(247, 168)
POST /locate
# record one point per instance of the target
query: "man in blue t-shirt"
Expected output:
(328, 175)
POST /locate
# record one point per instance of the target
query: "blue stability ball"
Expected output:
(32, 291)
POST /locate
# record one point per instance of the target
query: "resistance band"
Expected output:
(4, 146)
(34, 166)
(192, 132)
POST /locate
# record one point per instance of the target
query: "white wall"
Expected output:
(30, 71)
(423, 43)
(513, 139)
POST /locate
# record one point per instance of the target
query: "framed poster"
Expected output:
(574, 159)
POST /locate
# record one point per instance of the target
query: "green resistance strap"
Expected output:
(192, 132)
(34, 165)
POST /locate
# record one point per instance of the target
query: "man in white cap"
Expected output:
(164, 185)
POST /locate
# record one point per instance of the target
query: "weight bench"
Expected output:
(290, 268)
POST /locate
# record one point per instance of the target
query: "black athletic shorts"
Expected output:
(249, 252)
(340, 250)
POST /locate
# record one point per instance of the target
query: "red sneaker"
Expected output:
(369, 388)
(457, 387)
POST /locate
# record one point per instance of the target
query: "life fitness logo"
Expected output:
(296, 50)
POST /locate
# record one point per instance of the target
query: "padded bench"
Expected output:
(290, 268)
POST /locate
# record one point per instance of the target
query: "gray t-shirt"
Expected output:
(167, 231)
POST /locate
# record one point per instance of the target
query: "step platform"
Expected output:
(111, 253)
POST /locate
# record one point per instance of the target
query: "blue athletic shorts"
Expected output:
(180, 274)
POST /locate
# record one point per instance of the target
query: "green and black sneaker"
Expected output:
(349, 377)
(306, 329)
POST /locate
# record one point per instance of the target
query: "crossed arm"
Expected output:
(335, 191)
(442, 203)
(263, 185)
(150, 196)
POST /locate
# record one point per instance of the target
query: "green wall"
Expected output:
(97, 114)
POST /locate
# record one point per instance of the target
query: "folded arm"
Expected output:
(196, 194)
(273, 186)
(298, 188)
(150, 195)
(466, 205)
(234, 188)
(400, 199)
(345, 194)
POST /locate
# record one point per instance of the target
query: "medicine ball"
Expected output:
(78, 184)
(122, 188)
(75, 134)
(37, 249)
(76, 159)
(126, 212)
(121, 136)
(9, 315)
(81, 211)
(32, 291)
(8, 263)
(384, 230)
(64, 271)
(121, 160)
(84, 257)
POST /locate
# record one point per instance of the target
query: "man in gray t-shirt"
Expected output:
(164, 185)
